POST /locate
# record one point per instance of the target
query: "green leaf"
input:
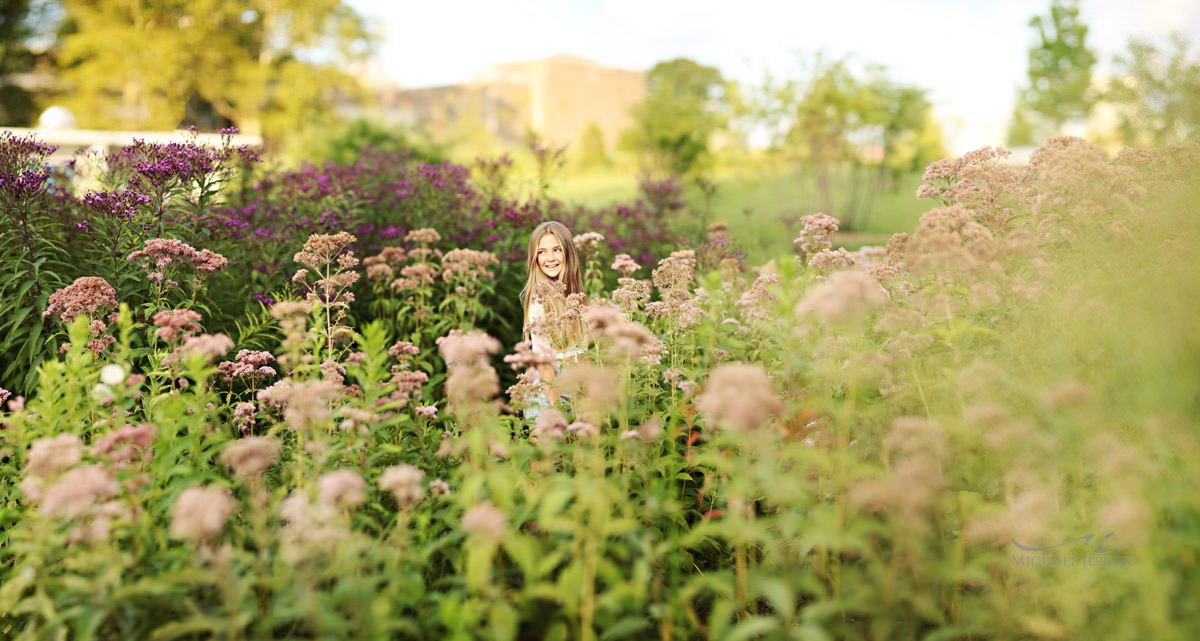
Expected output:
(624, 628)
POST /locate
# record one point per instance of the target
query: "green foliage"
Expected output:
(1156, 93)
(674, 123)
(1003, 373)
(1059, 86)
(592, 153)
(18, 24)
(342, 143)
(136, 67)
(852, 131)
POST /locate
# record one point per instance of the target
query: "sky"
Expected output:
(969, 54)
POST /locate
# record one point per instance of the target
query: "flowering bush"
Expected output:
(970, 433)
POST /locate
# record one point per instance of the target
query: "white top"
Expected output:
(540, 343)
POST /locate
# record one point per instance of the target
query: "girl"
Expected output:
(552, 299)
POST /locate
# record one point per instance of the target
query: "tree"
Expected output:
(1059, 73)
(265, 65)
(17, 20)
(1156, 93)
(849, 128)
(591, 148)
(684, 105)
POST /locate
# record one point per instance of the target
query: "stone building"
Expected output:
(557, 97)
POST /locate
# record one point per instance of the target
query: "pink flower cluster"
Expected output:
(161, 255)
(86, 296)
(248, 365)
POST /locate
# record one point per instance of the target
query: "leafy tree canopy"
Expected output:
(1059, 75)
(684, 105)
(264, 65)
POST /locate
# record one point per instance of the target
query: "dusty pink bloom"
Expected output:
(124, 444)
(587, 243)
(86, 296)
(1067, 393)
(485, 520)
(675, 271)
(631, 294)
(907, 493)
(471, 378)
(438, 487)
(406, 383)
(817, 233)
(648, 431)
(426, 411)
(162, 252)
(550, 426)
(321, 249)
(467, 264)
(467, 349)
(243, 416)
(472, 384)
(333, 371)
(357, 419)
(247, 365)
(49, 456)
(738, 396)
(200, 513)
(286, 309)
(342, 488)
(302, 403)
(625, 264)
(4, 395)
(404, 482)
(754, 302)
(1024, 519)
(75, 494)
(844, 295)
(633, 340)
(310, 528)
(207, 262)
(16, 404)
(207, 347)
(525, 357)
(424, 236)
(594, 391)
(582, 429)
(403, 351)
(174, 324)
(831, 259)
(250, 456)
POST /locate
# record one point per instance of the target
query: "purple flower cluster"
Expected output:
(23, 168)
(663, 195)
(121, 204)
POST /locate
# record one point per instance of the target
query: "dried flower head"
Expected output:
(250, 456)
(550, 427)
(485, 520)
(342, 488)
(404, 482)
(49, 456)
(844, 295)
(738, 396)
(626, 265)
(200, 513)
(88, 295)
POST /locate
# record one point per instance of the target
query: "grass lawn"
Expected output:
(760, 208)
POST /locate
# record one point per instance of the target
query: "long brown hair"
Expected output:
(571, 276)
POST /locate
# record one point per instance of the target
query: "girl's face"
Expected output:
(550, 256)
